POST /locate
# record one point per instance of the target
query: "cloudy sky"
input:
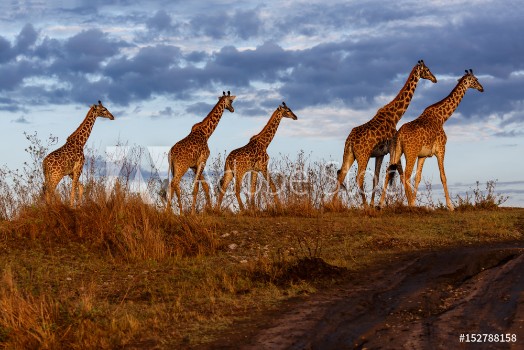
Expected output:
(159, 66)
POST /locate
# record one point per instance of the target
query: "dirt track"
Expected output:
(424, 301)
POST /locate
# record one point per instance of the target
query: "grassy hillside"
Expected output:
(116, 272)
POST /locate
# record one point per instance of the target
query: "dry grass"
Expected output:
(158, 280)
(116, 272)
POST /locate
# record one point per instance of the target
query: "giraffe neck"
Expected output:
(81, 134)
(209, 124)
(449, 104)
(398, 106)
(265, 136)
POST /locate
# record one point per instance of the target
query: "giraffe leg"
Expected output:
(224, 182)
(80, 192)
(254, 176)
(73, 188)
(361, 173)
(418, 176)
(406, 180)
(205, 187)
(440, 159)
(378, 165)
(196, 184)
(239, 176)
(385, 188)
(274, 191)
(50, 189)
(174, 187)
(77, 171)
(347, 162)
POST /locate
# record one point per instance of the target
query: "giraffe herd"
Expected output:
(417, 140)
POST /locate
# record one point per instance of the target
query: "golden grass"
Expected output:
(109, 275)
(116, 272)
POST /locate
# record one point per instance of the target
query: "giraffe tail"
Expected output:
(342, 184)
(392, 169)
(394, 149)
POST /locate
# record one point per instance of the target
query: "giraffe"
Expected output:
(69, 159)
(253, 158)
(371, 140)
(425, 137)
(193, 151)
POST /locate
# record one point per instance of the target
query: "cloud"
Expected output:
(510, 133)
(353, 54)
(159, 22)
(243, 24)
(20, 120)
(6, 51)
(167, 112)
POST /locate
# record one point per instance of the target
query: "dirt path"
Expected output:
(424, 301)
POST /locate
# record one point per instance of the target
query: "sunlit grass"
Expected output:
(116, 271)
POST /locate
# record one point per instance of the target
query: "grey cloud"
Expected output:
(160, 21)
(510, 133)
(376, 48)
(267, 62)
(146, 61)
(167, 112)
(247, 24)
(13, 73)
(6, 51)
(81, 53)
(26, 38)
(199, 109)
(92, 42)
(244, 24)
(20, 120)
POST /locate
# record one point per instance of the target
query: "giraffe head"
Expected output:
(286, 111)
(471, 81)
(101, 111)
(424, 72)
(228, 100)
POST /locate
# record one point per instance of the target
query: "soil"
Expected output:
(422, 300)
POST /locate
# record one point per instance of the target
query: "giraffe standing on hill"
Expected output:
(425, 137)
(372, 138)
(253, 157)
(193, 151)
(69, 159)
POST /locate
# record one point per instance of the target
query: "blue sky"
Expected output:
(159, 67)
